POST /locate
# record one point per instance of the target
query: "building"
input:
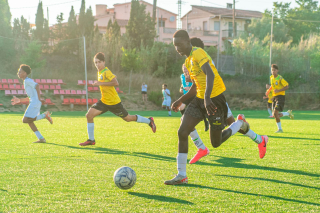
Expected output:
(166, 20)
(215, 25)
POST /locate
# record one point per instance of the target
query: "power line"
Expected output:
(44, 5)
(213, 3)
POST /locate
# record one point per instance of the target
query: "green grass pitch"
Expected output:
(61, 176)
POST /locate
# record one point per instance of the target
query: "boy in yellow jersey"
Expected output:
(209, 102)
(270, 98)
(110, 101)
(278, 86)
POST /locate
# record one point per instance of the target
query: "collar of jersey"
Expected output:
(193, 48)
(105, 69)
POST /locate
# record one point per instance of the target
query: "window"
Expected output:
(216, 25)
(189, 26)
(205, 26)
(162, 23)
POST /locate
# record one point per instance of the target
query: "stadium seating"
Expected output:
(18, 86)
(46, 87)
(54, 81)
(14, 92)
(69, 101)
(16, 81)
(79, 92)
(11, 86)
(49, 81)
(40, 86)
(7, 92)
(38, 81)
(48, 102)
(52, 87)
(58, 87)
(60, 81)
(10, 81)
(5, 86)
(62, 92)
(73, 92)
(20, 92)
(56, 92)
(66, 101)
(81, 82)
(4, 81)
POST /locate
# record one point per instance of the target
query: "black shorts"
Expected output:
(269, 105)
(217, 121)
(143, 92)
(187, 102)
(117, 109)
(278, 103)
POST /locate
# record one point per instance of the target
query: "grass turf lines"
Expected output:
(61, 176)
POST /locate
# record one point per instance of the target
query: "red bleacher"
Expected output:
(77, 101)
(83, 82)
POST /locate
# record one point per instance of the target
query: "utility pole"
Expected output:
(234, 19)
(154, 10)
(179, 14)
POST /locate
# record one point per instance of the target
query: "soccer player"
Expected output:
(270, 98)
(209, 102)
(110, 101)
(261, 140)
(32, 113)
(202, 149)
(278, 86)
(166, 98)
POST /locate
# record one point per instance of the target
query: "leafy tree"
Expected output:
(260, 28)
(89, 23)
(38, 33)
(32, 56)
(82, 17)
(140, 28)
(60, 29)
(25, 28)
(72, 29)
(6, 45)
(46, 30)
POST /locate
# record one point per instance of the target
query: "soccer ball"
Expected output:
(124, 177)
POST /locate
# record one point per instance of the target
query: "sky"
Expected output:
(28, 8)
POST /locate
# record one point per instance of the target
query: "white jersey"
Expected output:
(165, 96)
(30, 87)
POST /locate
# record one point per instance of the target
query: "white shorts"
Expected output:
(33, 110)
(229, 111)
(167, 102)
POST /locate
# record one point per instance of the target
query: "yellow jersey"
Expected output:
(270, 96)
(109, 95)
(277, 84)
(194, 62)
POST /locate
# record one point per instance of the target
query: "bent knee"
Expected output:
(183, 133)
(126, 119)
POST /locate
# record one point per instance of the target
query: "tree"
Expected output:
(38, 33)
(260, 28)
(60, 29)
(72, 29)
(82, 17)
(89, 23)
(6, 45)
(32, 56)
(140, 28)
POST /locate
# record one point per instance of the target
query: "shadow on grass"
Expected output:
(282, 137)
(4, 190)
(160, 198)
(270, 180)
(248, 193)
(221, 162)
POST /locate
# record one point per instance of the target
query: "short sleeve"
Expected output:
(109, 75)
(31, 83)
(284, 82)
(201, 57)
(168, 91)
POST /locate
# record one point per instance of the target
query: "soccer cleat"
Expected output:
(48, 116)
(279, 131)
(201, 153)
(263, 146)
(245, 125)
(42, 140)
(88, 142)
(290, 114)
(152, 124)
(177, 180)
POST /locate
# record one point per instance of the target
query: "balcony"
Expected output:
(169, 30)
(202, 33)
(229, 33)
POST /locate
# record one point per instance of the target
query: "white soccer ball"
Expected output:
(124, 177)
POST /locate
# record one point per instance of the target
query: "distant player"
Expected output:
(209, 102)
(270, 98)
(166, 98)
(278, 86)
(110, 101)
(32, 113)
(261, 140)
